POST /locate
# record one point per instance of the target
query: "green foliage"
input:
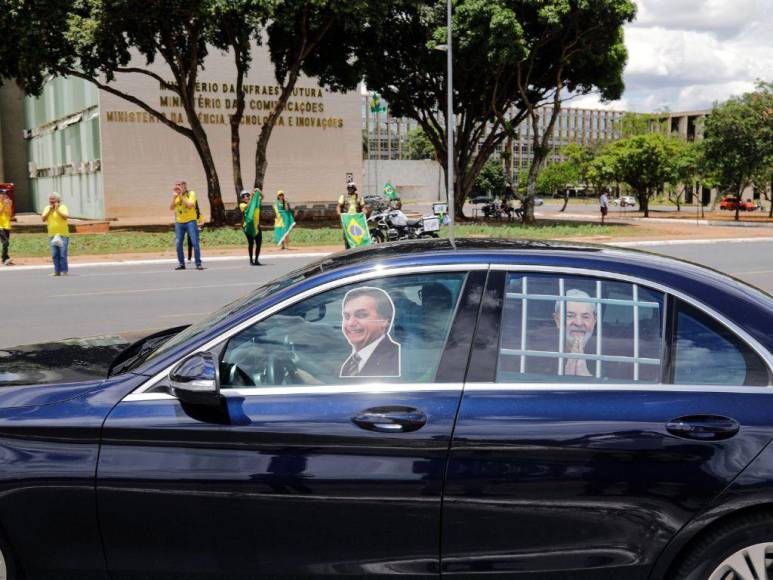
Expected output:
(505, 52)
(492, 179)
(419, 147)
(738, 139)
(557, 177)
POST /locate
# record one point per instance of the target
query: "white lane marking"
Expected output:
(146, 290)
(206, 260)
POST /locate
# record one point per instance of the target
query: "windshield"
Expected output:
(240, 303)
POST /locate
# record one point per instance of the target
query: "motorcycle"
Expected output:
(393, 225)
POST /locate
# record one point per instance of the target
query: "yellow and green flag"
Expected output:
(356, 229)
(283, 223)
(252, 215)
(389, 190)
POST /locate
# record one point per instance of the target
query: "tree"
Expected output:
(738, 140)
(319, 38)
(684, 170)
(419, 147)
(511, 58)
(556, 178)
(492, 179)
(96, 40)
(644, 162)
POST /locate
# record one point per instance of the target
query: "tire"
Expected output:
(744, 544)
(8, 568)
(377, 236)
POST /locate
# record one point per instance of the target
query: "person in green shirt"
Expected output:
(251, 225)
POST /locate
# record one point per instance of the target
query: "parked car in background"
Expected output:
(530, 410)
(625, 201)
(729, 202)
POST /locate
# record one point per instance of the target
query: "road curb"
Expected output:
(149, 262)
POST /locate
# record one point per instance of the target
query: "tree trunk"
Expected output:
(738, 204)
(235, 121)
(644, 202)
(531, 188)
(261, 159)
(566, 202)
(217, 209)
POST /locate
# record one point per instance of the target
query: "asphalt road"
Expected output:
(97, 300)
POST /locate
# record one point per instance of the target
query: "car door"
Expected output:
(307, 467)
(599, 416)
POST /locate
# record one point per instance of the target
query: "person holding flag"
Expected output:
(391, 193)
(351, 204)
(283, 222)
(250, 208)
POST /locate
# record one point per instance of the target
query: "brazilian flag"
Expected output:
(356, 229)
(283, 223)
(389, 190)
(250, 213)
(376, 106)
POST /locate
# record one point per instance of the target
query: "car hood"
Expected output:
(65, 361)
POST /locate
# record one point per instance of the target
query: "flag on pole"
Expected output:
(376, 106)
(252, 215)
(389, 190)
(283, 223)
(356, 229)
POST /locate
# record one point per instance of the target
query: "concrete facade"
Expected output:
(416, 180)
(138, 159)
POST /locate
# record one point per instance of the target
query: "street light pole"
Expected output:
(450, 124)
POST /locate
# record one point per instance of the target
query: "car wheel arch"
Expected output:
(667, 569)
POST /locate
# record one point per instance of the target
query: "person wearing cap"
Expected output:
(5, 226)
(253, 233)
(184, 206)
(350, 202)
(55, 215)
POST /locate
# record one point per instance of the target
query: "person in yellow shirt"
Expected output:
(252, 230)
(55, 215)
(5, 226)
(184, 207)
(350, 202)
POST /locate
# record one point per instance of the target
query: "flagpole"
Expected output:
(450, 129)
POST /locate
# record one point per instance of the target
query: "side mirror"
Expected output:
(196, 380)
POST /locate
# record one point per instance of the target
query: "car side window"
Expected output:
(707, 353)
(579, 329)
(387, 330)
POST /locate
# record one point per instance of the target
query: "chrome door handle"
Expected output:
(703, 427)
(392, 419)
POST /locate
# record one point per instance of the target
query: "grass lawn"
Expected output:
(118, 242)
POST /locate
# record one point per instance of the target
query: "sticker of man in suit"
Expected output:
(368, 314)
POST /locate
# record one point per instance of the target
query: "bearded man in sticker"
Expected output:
(368, 314)
(578, 328)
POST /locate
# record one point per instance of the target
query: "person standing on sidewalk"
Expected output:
(350, 202)
(5, 226)
(604, 205)
(284, 221)
(56, 215)
(184, 207)
(251, 223)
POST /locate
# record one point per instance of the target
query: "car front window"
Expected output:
(246, 301)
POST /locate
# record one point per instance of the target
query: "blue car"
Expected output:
(527, 409)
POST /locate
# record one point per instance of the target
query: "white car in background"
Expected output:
(624, 200)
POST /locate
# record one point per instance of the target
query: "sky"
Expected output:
(684, 55)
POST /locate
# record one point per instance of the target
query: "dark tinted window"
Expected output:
(707, 353)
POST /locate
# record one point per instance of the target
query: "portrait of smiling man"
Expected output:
(368, 314)
(580, 322)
